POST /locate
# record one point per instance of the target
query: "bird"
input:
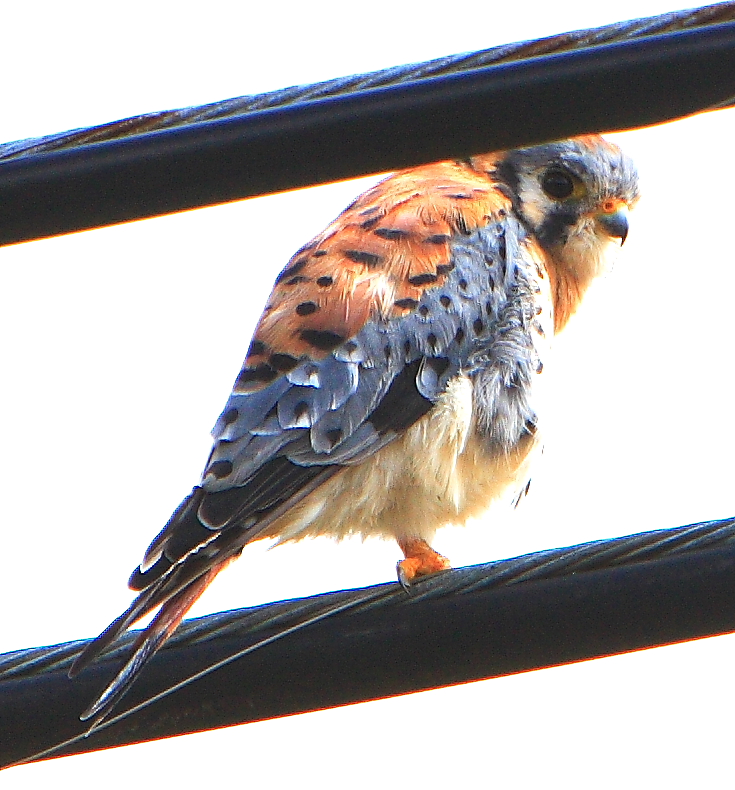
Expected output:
(394, 383)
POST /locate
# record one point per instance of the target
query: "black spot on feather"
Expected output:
(437, 238)
(423, 279)
(283, 362)
(370, 223)
(256, 347)
(392, 234)
(220, 469)
(292, 270)
(368, 258)
(230, 416)
(260, 374)
(322, 339)
(306, 308)
(438, 364)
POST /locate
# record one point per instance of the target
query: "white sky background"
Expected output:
(120, 346)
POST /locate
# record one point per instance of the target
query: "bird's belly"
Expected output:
(442, 471)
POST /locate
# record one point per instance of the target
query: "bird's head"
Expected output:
(574, 197)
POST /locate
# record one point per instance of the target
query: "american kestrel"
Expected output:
(392, 384)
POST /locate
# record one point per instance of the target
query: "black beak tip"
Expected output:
(616, 225)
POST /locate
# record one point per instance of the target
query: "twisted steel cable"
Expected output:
(38, 700)
(540, 609)
(398, 75)
(621, 76)
(542, 565)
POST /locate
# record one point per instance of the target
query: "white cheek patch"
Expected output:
(589, 252)
(535, 202)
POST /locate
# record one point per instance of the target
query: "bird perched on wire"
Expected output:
(393, 382)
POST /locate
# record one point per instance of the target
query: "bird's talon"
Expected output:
(421, 560)
(403, 579)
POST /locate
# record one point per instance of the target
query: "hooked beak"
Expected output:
(615, 223)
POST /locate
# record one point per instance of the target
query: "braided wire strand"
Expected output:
(249, 624)
(565, 42)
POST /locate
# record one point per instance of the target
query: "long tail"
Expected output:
(175, 595)
(188, 555)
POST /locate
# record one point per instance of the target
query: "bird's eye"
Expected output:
(557, 183)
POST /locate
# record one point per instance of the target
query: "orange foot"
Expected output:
(421, 560)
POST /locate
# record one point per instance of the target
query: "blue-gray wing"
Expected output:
(281, 435)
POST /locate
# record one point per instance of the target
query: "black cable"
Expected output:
(539, 610)
(454, 107)
(550, 608)
(452, 64)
